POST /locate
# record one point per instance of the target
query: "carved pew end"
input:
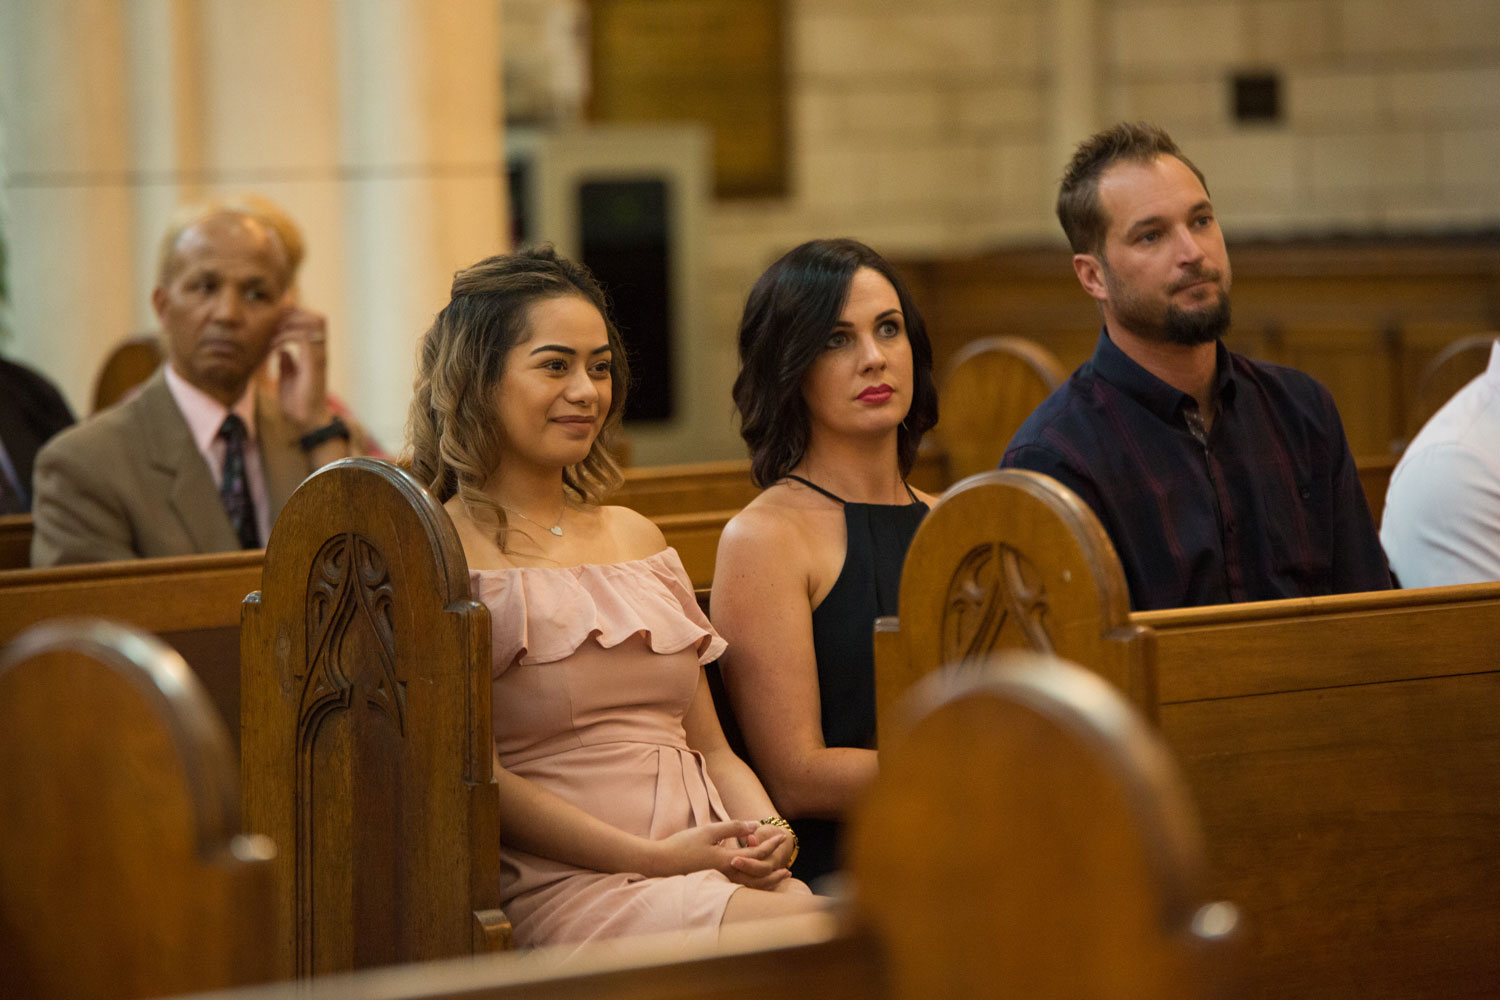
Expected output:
(1049, 830)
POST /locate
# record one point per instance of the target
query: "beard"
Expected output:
(1172, 324)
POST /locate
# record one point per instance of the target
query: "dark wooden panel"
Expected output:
(719, 62)
(1356, 827)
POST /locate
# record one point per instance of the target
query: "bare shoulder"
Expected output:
(634, 534)
(776, 517)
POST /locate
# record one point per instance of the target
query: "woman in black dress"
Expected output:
(835, 391)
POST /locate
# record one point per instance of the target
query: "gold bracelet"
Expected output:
(796, 844)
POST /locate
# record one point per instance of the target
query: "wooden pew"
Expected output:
(1344, 751)
(367, 748)
(1027, 837)
(726, 485)
(123, 871)
(1374, 479)
(15, 541)
(989, 389)
(192, 603)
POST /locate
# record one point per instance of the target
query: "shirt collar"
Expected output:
(204, 414)
(1120, 370)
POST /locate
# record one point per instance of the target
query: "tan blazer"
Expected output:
(130, 483)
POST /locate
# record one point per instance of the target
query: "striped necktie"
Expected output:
(234, 489)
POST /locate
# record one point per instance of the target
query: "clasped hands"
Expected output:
(753, 854)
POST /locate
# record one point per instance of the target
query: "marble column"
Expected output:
(375, 123)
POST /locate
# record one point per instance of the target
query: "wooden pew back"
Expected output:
(1023, 566)
(1068, 796)
(123, 872)
(1352, 748)
(367, 747)
(1027, 836)
(710, 486)
(1345, 750)
(989, 389)
(192, 603)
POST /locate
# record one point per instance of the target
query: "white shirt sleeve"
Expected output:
(1442, 516)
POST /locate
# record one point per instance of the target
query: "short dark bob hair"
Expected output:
(788, 318)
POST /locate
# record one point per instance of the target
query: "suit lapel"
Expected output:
(184, 477)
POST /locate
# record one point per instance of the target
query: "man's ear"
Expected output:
(159, 301)
(1090, 271)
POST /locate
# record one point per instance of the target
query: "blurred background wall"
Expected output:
(392, 130)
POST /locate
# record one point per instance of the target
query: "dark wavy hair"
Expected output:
(452, 432)
(1078, 207)
(788, 319)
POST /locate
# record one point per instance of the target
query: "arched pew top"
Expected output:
(169, 692)
(1011, 559)
(989, 388)
(117, 781)
(1068, 842)
(374, 499)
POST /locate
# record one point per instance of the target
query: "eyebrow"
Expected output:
(560, 349)
(888, 312)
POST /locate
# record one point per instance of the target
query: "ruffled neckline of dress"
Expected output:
(544, 614)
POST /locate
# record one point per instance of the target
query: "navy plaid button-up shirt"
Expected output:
(1265, 504)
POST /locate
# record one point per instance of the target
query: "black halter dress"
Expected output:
(878, 536)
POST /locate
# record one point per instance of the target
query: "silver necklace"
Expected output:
(556, 529)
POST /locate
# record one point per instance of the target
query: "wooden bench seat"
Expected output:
(123, 872)
(1344, 751)
(1027, 837)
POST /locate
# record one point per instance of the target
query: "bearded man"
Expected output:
(1218, 478)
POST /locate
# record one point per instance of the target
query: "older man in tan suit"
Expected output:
(198, 461)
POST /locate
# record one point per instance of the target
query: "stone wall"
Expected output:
(941, 129)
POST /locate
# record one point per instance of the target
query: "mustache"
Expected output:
(1194, 277)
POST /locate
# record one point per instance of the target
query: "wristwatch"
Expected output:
(335, 428)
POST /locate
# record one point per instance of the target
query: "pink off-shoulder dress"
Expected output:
(595, 668)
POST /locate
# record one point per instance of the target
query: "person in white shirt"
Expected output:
(1442, 508)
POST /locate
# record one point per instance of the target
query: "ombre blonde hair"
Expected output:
(452, 430)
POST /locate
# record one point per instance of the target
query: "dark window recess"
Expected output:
(518, 180)
(626, 227)
(1257, 97)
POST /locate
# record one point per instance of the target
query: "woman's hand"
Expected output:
(775, 867)
(716, 846)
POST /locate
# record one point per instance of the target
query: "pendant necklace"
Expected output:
(556, 529)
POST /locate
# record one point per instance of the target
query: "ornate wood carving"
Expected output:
(993, 588)
(350, 660)
(350, 589)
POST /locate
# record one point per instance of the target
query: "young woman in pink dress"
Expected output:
(625, 810)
